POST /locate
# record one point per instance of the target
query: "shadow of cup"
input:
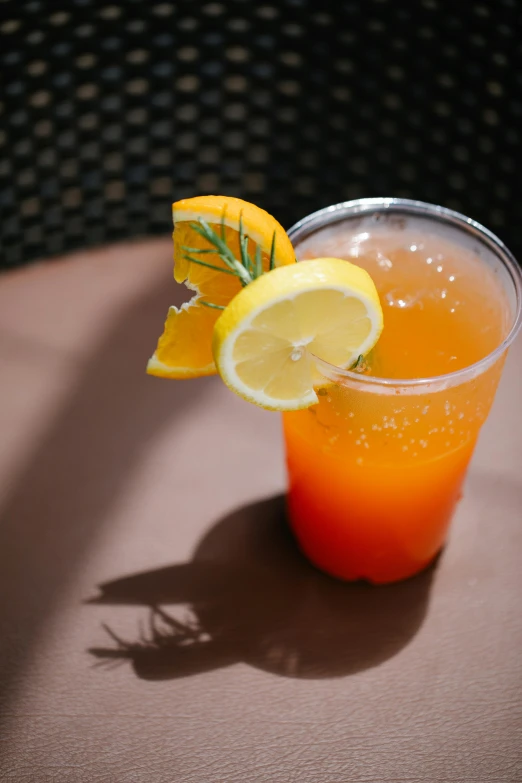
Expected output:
(254, 598)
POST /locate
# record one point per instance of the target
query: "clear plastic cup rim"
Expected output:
(338, 212)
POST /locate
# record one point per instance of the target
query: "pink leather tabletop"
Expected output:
(156, 620)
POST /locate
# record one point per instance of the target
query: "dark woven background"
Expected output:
(111, 110)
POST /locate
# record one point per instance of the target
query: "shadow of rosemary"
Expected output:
(248, 595)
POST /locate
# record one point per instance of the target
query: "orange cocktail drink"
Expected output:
(377, 466)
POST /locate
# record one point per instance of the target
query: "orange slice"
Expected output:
(184, 349)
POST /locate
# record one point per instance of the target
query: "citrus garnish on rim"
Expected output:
(258, 317)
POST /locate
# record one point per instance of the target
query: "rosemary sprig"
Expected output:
(223, 251)
(245, 268)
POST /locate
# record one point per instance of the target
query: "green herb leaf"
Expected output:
(272, 252)
(259, 262)
(211, 266)
(245, 257)
(211, 304)
(359, 364)
(198, 249)
(243, 246)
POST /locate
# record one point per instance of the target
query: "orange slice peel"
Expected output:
(184, 349)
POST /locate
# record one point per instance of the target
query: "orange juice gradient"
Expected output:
(376, 468)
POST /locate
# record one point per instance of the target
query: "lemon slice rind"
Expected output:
(265, 342)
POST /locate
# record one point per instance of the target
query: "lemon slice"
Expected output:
(265, 340)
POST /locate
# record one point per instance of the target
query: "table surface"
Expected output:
(156, 621)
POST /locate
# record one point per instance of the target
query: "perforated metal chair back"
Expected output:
(111, 110)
